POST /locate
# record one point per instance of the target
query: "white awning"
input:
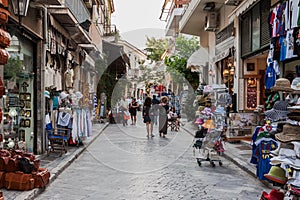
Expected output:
(198, 59)
(240, 9)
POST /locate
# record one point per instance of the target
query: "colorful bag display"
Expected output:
(5, 38)
(4, 56)
(18, 181)
(41, 177)
(4, 14)
(4, 3)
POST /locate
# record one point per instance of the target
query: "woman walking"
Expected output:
(163, 116)
(148, 117)
(133, 106)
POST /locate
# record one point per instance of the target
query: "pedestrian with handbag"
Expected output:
(148, 116)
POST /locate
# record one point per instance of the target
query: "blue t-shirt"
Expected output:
(270, 76)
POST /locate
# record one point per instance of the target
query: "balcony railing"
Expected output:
(79, 10)
(110, 30)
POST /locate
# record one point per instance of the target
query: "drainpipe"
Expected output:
(41, 138)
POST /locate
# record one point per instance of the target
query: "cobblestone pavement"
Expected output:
(122, 164)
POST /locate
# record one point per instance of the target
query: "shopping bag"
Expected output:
(126, 115)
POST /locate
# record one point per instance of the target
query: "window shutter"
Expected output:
(264, 32)
(246, 33)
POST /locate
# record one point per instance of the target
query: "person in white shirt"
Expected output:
(124, 109)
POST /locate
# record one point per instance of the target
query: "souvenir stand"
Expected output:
(276, 145)
(211, 117)
(67, 111)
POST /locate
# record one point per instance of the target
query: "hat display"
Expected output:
(273, 195)
(289, 133)
(209, 124)
(295, 179)
(278, 112)
(282, 84)
(286, 156)
(276, 174)
(296, 83)
(199, 121)
(63, 95)
(294, 115)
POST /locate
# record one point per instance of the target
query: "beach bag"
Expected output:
(18, 181)
(126, 115)
(41, 177)
(25, 165)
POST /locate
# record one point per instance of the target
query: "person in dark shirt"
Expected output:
(148, 116)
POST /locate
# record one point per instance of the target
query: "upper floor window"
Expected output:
(255, 28)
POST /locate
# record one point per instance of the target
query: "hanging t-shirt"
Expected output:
(294, 6)
(282, 41)
(289, 44)
(270, 76)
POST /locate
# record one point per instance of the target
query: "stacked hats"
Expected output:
(278, 112)
(282, 84)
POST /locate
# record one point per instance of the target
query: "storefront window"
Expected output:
(19, 84)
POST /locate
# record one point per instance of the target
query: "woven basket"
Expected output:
(5, 39)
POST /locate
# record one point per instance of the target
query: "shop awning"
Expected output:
(240, 9)
(67, 20)
(198, 59)
(114, 52)
(221, 56)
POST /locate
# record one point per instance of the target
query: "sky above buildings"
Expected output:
(138, 19)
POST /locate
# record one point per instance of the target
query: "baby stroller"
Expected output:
(209, 147)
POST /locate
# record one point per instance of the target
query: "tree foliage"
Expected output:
(156, 48)
(176, 64)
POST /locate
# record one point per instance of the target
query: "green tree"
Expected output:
(176, 64)
(156, 48)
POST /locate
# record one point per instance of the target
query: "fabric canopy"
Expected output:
(198, 59)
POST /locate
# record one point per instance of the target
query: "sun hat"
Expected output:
(296, 148)
(282, 84)
(276, 174)
(286, 156)
(289, 133)
(63, 95)
(296, 83)
(278, 112)
(273, 195)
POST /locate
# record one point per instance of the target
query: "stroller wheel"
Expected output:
(220, 163)
(212, 164)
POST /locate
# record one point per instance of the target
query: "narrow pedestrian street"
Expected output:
(123, 164)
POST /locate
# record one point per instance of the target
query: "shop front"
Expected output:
(20, 74)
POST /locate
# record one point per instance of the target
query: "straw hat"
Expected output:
(282, 84)
(276, 174)
(289, 133)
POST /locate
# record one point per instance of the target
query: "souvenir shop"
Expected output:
(275, 144)
(68, 101)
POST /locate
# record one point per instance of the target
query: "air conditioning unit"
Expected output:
(88, 3)
(232, 2)
(212, 22)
